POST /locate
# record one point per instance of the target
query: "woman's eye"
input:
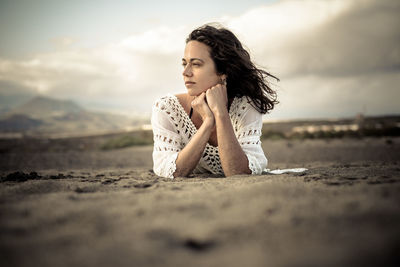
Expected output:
(193, 64)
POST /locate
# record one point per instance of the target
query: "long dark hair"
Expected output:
(231, 59)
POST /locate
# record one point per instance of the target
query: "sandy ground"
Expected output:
(109, 209)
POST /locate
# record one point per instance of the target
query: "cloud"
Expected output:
(331, 38)
(162, 40)
(63, 42)
(334, 58)
(322, 97)
(129, 68)
(362, 40)
(271, 25)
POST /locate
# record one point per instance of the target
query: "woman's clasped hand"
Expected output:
(211, 103)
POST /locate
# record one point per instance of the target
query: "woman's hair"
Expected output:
(231, 59)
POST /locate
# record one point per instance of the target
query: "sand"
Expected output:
(109, 209)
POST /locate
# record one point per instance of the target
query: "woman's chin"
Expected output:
(192, 92)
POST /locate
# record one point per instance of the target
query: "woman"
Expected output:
(216, 126)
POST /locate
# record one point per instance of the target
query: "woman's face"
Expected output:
(199, 71)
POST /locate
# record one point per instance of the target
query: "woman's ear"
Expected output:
(223, 79)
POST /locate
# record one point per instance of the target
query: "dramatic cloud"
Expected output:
(361, 40)
(335, 58)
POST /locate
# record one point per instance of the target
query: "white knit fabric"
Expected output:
(173, 129)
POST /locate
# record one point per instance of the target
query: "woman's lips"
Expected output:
(189, 84)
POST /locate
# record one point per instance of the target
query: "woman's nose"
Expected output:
(187, 71)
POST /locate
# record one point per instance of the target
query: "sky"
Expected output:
(334, 58)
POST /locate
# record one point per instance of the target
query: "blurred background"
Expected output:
(74, 68)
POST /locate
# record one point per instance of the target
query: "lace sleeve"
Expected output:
(167, 143)
(248, 134)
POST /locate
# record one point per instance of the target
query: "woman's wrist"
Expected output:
(221, 113)
(208, 123)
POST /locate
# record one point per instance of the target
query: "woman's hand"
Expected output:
(200, 105)
(217, 99)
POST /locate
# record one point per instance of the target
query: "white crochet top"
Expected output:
(173, 129)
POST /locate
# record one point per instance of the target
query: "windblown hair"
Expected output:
(231, 59)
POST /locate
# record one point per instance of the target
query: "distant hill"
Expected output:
(12, 95)
(43, 115)
(41, 107)
(18, 123)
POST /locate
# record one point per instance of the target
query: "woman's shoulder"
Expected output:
(242, 104)
(171, 105)
(243, 112)
(165, 101)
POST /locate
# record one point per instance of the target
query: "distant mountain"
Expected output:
(19, 123)
(41, 107)
(12, 95)
(43, 115)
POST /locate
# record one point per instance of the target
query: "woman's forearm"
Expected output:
(189, 156)
(233, 159)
